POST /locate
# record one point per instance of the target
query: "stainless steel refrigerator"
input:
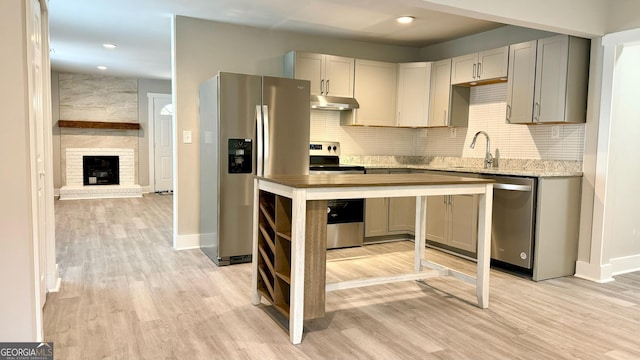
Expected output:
(249, 125)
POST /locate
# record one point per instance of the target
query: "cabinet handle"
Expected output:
(536, 111)
(327, 92)
(445, 117)
(473, 76)
(508, 113)
(479, 70)
(322, 87)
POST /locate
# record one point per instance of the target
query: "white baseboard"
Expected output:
(147, 189)
(594, 272)
(186, 242)
(53, 281)
(625, 264)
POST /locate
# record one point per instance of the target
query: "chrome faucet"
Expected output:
(488, 159)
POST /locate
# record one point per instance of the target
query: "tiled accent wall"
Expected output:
(74, 164)
(358, 140)
(486, 112)
(98, 98)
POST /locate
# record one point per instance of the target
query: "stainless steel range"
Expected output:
(345, 222)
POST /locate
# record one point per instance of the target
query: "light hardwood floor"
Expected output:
(127, 295)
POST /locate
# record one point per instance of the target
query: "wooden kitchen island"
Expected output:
(289, 244)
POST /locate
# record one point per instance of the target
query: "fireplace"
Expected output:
(100, 170)
(114, 168)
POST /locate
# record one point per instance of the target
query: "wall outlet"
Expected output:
(186, 137)
(453, 132)
(555, 132)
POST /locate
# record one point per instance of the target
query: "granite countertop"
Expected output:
(517, 167)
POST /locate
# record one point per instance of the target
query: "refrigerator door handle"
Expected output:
(259, 142)
(266, 141)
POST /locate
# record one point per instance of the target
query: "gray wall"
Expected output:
(17, 301)
(201, 49)
(491, 39)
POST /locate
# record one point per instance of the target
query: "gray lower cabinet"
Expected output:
(557, 226)
(389, 218)
(452, 221)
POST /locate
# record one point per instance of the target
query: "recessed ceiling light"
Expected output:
(405, 19)
(109, 46)
(101, 67)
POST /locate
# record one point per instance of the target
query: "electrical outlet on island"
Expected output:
(555, 132)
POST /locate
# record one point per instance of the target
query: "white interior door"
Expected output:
(163, 143)
(36, 118)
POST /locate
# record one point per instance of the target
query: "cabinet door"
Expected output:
(437, 218)
(414, 81)
(339, 76)
(463, 232)
(520, 87)
(440, 93)
(464, 68)
(375, 217)
(551, 79)
(375, 90)
(402, 214)
(493, 64)
(309, 66)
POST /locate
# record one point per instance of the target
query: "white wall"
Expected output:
(623, 197)
(201, 49)
(17, 299)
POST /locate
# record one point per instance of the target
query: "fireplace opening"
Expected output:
(101, 170)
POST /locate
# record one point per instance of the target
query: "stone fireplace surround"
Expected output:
(75, 189)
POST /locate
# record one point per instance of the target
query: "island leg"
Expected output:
(298, 230)
(420, 231)
(484, 246)
(255, 294)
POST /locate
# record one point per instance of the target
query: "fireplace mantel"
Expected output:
(80, 124)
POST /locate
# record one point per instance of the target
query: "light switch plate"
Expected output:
(186, 137)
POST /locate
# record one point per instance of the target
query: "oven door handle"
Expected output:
(337, 172)
(512, 187)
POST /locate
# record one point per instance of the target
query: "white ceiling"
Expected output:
(142, 28)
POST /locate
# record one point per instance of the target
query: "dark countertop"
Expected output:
(371, 180)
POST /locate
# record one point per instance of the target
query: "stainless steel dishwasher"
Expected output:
(512, 230)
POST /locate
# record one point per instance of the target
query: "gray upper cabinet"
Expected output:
(480, 67)
(522, 78)
(440, 93)
(449, 105)
(329, 74)
(548, 81)
(414, 81)
(375, 89)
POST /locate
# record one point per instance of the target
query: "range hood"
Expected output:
(321, 102)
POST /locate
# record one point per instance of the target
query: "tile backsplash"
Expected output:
(486, 112)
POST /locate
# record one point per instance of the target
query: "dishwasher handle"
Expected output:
(512, 187)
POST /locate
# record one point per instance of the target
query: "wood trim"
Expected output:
(80, 124)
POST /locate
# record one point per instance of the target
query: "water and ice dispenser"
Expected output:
(240, 156)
